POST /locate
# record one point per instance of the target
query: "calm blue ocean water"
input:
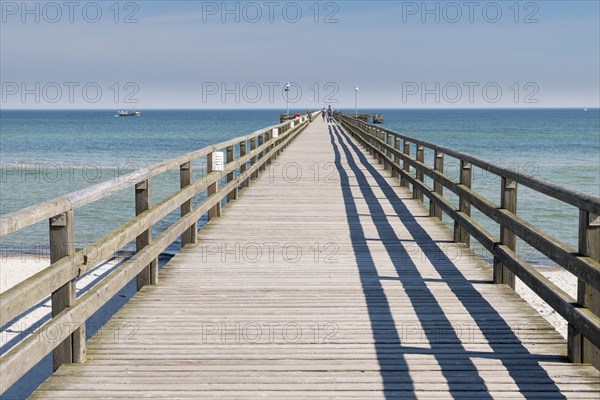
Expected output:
(45, 154)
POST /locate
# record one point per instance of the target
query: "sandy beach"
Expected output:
(15, 269)
(561, 278)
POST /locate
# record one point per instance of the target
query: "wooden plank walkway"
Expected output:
(325, 280)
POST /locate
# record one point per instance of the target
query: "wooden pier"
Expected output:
(321, 274)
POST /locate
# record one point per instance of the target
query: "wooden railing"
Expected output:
(70, 312)
(395, 151)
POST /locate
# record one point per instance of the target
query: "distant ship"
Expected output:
(128, 113)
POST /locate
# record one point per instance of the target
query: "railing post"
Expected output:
(233, 195)
(405, 165)
(253, 147)
(371, 140)
(380, 147)
(269, 148)
(215, 211)
(438, 165)
(243, 145)
(375, 143)
(285, 146)
(367, 138)
(143, 198)
(388, 152)
(508, 201)
(580, 350)
(396, 139)
(261, 154)
(62, 244)
(419, 175)
(272, 136)
(385, 138)
(460, 234)
(364, 137)
(185, 179)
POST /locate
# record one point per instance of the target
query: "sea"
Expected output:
(45, 154)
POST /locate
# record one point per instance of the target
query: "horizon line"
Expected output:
(316, 108)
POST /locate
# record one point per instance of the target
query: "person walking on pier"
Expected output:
(329, 114)
(323, 113)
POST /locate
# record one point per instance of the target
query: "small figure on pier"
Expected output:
(378, 119)
(323, 113)
(329, 114)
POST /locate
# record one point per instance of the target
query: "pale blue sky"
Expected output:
(180, 54)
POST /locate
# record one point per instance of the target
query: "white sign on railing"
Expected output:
(218, 161)
(275, 132)
(292, 124)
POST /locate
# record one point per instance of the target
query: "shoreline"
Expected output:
(561, 278)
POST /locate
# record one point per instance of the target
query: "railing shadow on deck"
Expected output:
(388, 340)
(405, 157)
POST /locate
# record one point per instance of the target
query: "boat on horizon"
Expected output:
(128, 113)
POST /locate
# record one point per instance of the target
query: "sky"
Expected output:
(240, 54)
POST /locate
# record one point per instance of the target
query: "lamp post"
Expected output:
(287, 97)
(355, 101)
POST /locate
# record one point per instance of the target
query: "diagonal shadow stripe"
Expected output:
(422, 300)
(457, 283)
(384, 328)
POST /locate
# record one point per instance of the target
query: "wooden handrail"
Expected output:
(583, 313)
(578, 199)
(18, 220)
(70, 316)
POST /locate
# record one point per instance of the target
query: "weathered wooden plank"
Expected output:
(508, 201)
(185, 180)
(34, 289)
(580, 348)
(413, 321)
(143, 199)
(583, 267)
(29, 351)
(420, 157)
(438, 165)
(62, 245)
